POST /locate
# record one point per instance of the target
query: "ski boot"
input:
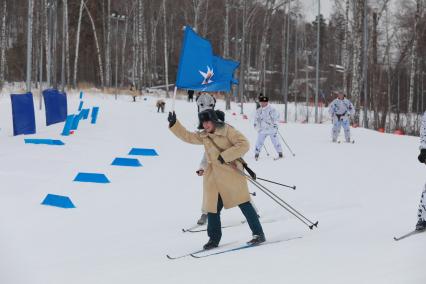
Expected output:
(256, 157)
(280, 155)
(257, 239)
(421, 225)
(202, 220)
(211, 244)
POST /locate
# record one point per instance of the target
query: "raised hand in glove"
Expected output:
(221, 160)
(422, 156)
(171, 118)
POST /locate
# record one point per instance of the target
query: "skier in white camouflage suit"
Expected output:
(266, 121)
(341, 109)
(421, 222)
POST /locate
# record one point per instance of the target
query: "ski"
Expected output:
(278, 158)
(197, 251)
(225, 226)
(191, 228)
(195, 230)
(350, 142)
(412, 233)
(241, 247)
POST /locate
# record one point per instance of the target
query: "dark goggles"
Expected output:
(207, 116)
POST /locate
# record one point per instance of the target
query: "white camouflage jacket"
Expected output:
(266, 118)
(423, 133)
(341, 108)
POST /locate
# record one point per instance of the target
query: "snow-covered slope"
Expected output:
(362, 194)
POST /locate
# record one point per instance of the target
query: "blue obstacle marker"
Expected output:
(55, 103)
(95, 112)
(81, 95)
(44, 141)
(80, 106)
(143, 152)
(23, 114)
(58, 201)
(76, 121)
(68, 125)
(126, 162)
(85, 112)
(91, 177)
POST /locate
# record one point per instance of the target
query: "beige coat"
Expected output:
(218, 178)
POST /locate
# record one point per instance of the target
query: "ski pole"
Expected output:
(288, 205)
(267, 153)
(288, 147)
(310, 226)
(253, 193)
(270, 181)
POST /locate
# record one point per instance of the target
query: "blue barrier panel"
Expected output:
(80, 106)
(95, 112)
(91, 177)
(126, 162)
(76, 121)
(85, 112)
(23, 114)
(58, 201)
(68, 125)
(81, 95)
(143, 152)
(55, 104)
(44, 141)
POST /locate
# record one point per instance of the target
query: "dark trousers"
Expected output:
(214, 230)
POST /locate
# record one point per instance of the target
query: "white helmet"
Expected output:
(205, 101)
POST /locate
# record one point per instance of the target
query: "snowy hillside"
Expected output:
(362, 194)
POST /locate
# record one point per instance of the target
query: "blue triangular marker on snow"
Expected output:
(91, 177)
(143, 152)
(126, 162)
(44, 141)
(58, 201)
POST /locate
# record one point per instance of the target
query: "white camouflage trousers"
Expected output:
(339, 123)
(422, 205)
(274, 139)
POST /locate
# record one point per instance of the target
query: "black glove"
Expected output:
(250, 171)
(422, 156)
(171, 118)
(221, 160)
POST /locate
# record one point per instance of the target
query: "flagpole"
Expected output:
(174, 98)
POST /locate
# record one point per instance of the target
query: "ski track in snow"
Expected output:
(362, 194)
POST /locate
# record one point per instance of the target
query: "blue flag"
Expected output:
(199, 69)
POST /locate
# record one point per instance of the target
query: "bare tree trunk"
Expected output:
(108, 47)
(196, 5)
(226, 50)
(48, 27)
(389, 95)
(205, 24)
(357, 79)
(413, 69)
(346, 49)
(123, 51)
(98, 50)
(166, 64)
(140, 39)
(262, 53)
(77, 43)
(67, 44)
(3, 43)
(54, 46)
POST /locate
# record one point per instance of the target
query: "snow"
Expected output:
(362, 194)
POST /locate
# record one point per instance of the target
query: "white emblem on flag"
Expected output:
(207, 76)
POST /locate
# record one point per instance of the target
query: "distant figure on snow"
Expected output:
(421, 220)
(190, 95)
(266, 121)
(341, 109)
(160, 105)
